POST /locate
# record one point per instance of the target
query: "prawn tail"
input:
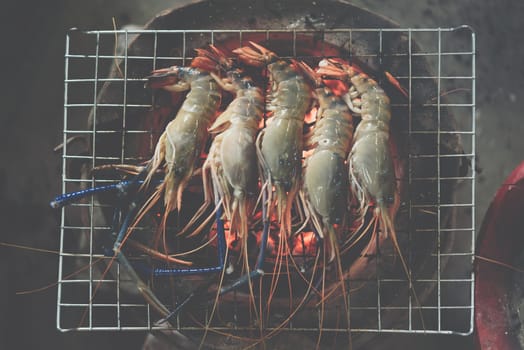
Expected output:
(170, 193)
(168, 208)
(284, 204)
(237, 220)
(334, 251)
(156, 161)
(173, 191)
(208, 194)
(239, 217)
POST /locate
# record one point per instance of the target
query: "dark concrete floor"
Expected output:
(33, 36)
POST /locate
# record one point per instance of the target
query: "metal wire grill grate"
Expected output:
(105, 122)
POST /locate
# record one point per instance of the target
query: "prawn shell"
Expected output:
(333, 133)
(185, 136)
(326, 182)
(282, 142)
(238, 158)
(371, 163)
(282, 150)
(239, 124)
(244, 109)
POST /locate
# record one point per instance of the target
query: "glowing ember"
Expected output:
(338, 87)
(305, 244)
(311, 116)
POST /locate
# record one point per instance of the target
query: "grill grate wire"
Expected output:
(449, 52)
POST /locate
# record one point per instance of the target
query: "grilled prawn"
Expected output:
(181, 143)
(281, 142)
(325, 175)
